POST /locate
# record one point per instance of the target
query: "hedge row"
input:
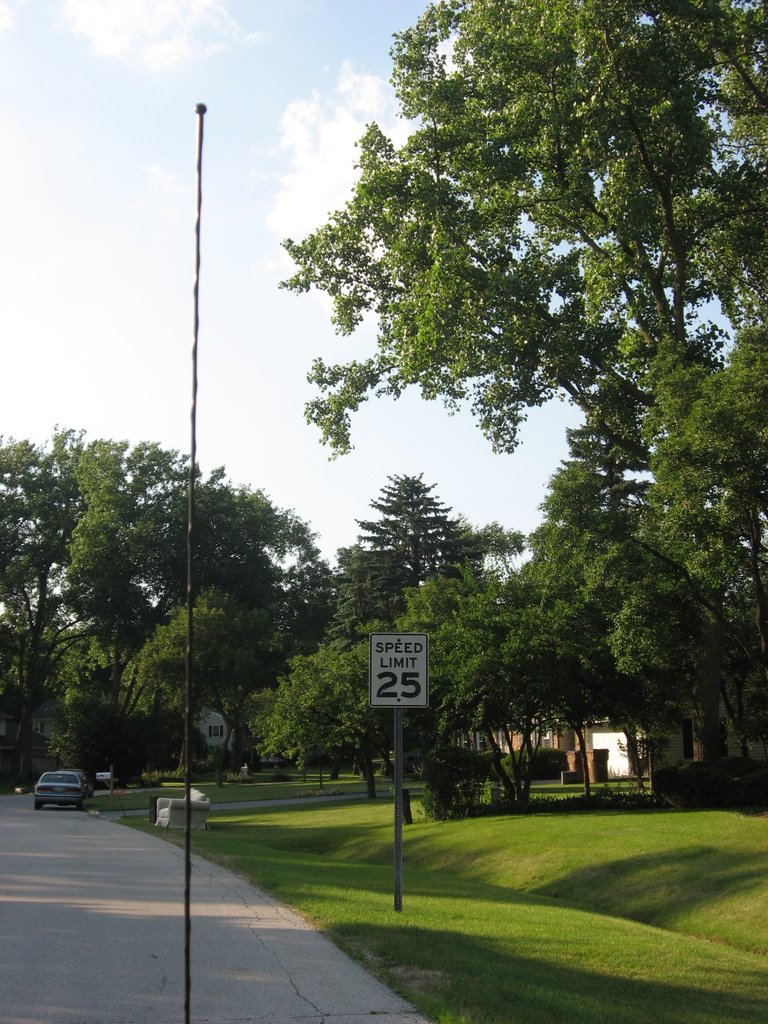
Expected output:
(731, 782)
(459, 784)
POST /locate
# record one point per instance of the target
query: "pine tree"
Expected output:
(414, 539)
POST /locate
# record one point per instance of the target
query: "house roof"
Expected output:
(39, 741)
(45, 710)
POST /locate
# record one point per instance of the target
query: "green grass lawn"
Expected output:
(639, 918)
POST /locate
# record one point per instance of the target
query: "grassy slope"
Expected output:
(528, 919)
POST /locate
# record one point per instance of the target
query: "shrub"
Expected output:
(156, 778)
(455, 782)
(598, 800)
(547, 764)
(732, 782)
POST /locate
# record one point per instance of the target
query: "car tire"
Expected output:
(38, 805)
(79, 807)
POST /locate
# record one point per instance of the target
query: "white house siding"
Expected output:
(605, 738)
(673, 752)
(212, 729)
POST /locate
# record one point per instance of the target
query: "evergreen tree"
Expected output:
(414, 539)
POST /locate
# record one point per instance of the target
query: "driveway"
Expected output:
(92, 932)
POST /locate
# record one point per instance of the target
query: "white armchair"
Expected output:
(171, 811)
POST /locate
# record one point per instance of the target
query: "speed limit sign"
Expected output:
(398, 675)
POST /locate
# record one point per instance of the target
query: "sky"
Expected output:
(98, 139)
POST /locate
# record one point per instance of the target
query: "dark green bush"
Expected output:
(598, 800)
(156, 778)
(456, 782)
(547, 764)
(732, 782)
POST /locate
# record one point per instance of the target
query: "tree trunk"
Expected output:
(706, 694)
(633, 756)
(237, 747)
(366, 766)
(508, 784)
(23, 751)
(223, 751)
(579, 731)
(531, 750)
(736, 714)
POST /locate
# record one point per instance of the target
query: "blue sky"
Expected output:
(97, 175)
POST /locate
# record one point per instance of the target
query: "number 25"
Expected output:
(410, 686)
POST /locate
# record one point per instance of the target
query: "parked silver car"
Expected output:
(66, 788)
(83, 778)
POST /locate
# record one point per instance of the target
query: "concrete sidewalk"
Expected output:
(93, 934)
(115, 811)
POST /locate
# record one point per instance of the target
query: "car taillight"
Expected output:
(44, 789)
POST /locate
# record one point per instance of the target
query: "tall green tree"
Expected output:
(560, 218)
(707, 518)
(39, 508)
(236, 653)
(322, 702)
(126, 567)
(576, 213)
(264, 597)
(623, 623)
(263, 556)
(413, 539)
(495, 659)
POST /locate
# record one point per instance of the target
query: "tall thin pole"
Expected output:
(200, 110)
(398, 893)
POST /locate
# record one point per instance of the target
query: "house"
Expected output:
(42, 727)
(675, 749)
(212, 729)
(607, 754)
(8, 730)
(43, 718)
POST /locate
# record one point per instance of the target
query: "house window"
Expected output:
(38, 727)
(215, 731)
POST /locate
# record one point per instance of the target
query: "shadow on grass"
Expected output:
(476, 953)
(505, 984)
(658, 888)
(472, 952)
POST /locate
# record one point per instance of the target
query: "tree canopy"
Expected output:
(92, 566)
(578, 212)
(576, 206)
(413, 539)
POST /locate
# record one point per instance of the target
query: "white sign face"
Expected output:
(398, 670)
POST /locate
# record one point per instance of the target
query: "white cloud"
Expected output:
(319, 135)
(446, 50)
(6, 17)
(158, 33)
(164, 180)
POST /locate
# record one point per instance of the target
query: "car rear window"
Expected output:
(60, 777)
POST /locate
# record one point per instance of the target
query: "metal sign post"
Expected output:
(398, 677)
(398, 809)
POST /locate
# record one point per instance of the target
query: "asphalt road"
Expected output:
(92, 932)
